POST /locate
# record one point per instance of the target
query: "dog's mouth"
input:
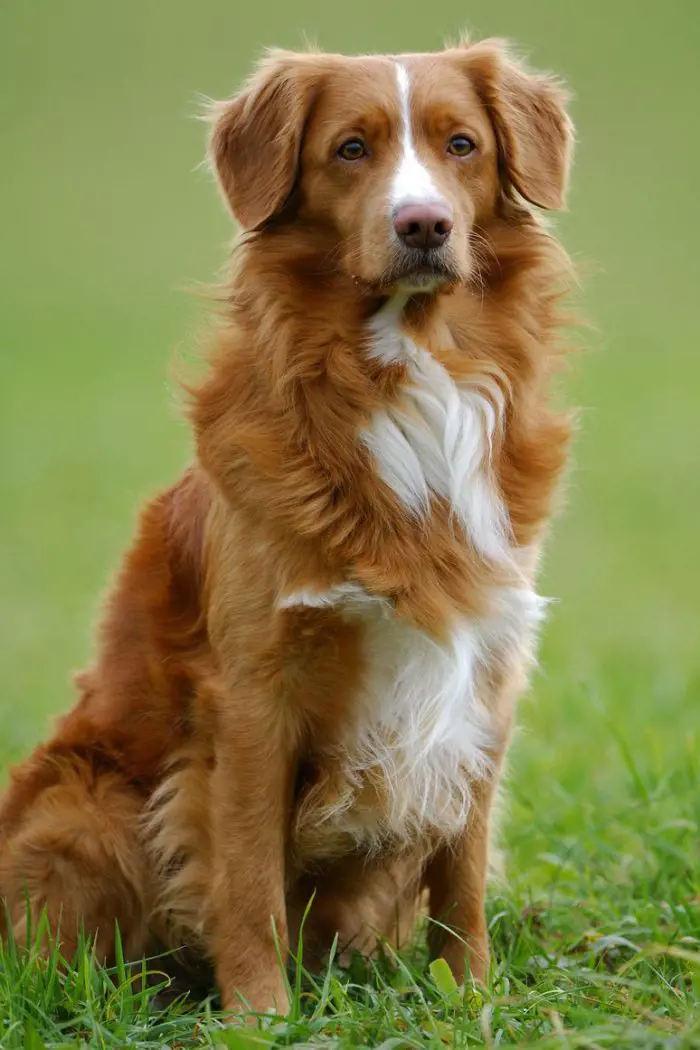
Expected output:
(420, 271)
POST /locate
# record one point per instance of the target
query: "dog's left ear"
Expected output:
(535, 135)
(256, 137)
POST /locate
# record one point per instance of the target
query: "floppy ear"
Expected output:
(256, 138)
(534, 132)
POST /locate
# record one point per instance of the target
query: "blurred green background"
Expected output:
(107, 219)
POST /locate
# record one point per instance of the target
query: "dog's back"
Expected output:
(80, 797)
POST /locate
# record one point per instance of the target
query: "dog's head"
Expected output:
(392, 163)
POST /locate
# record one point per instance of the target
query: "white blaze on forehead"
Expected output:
(412, 182)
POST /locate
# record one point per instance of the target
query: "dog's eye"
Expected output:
(353, 149)
(460, 146)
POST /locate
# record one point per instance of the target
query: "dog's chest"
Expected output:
(436, 440)
(423, 732)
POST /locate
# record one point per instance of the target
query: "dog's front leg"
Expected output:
(250, 798)
(456, 878)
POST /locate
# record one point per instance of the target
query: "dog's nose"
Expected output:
(423, 225)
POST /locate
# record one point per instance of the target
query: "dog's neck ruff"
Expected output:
(423, 733)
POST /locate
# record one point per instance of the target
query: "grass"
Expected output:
(605, 954)
(596, 929)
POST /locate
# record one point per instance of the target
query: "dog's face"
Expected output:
(393, 164)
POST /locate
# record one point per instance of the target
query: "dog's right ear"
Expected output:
(529, 113)
(256, 137)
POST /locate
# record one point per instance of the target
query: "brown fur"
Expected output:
(174, 798)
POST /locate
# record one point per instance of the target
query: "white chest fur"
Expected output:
(438, 438)
(423, 731)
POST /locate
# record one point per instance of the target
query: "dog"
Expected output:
(308, 665)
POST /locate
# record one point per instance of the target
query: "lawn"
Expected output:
(106, 221)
